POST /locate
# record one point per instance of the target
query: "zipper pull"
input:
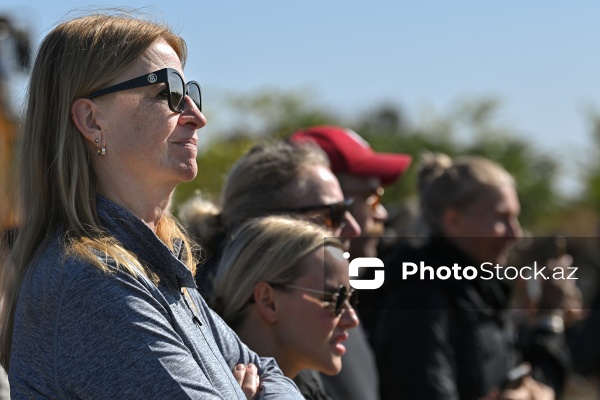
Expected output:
(187, 299)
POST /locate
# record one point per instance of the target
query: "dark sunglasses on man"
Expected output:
(336, 212)
(176, 89)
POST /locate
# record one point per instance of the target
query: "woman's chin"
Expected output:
(333, 368)
(188, 171)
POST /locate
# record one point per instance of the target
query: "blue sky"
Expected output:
(541, 59)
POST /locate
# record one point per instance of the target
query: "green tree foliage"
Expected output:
(471, 127)
(591, 174)
(266, 116)
(213, 164)
(281, 112)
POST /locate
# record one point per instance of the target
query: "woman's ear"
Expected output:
(85, 115)
(265, 299)
(452, 222)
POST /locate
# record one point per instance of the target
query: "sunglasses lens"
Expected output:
(176, 91)
(194, 93)
(343, 295)
(339, 304)
(338, 214)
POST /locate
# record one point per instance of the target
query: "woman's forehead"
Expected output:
(157, 56)
(335, 264)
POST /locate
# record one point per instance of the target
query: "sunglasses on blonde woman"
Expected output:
(338, 299)
(175, 91)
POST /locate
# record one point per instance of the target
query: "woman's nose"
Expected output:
(514, 230)
(349, 319)
(191, 115)
(351, 228)
(380, 213)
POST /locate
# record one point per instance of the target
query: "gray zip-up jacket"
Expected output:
(81, 333)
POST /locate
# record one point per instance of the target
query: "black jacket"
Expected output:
(443, 339)
(310, 385)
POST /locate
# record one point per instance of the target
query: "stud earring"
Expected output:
(101, 151)
(97, 140)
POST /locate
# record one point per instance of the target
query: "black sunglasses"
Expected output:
(176, 88)
(337, 212)
(338, 299)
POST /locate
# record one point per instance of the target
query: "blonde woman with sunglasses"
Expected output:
(99, 298)
(282, 285)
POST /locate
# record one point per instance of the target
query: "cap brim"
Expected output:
(386, 166)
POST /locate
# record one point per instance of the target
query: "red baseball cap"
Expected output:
(350, 153)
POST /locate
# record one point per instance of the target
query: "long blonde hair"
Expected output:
(267, 249)
(57, 186)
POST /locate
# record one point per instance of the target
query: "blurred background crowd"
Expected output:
(504, 81)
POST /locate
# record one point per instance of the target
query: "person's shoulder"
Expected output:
(415, 312)
(417, 294)
(310, 385)
(401, 254)
(58, 273)
(52, 267)
(405, 250)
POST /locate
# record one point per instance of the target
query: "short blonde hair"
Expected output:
(268, 249)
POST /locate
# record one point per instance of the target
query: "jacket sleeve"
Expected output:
(415, 359)
(274, 384)
(114, 339)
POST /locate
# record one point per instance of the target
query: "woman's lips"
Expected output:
(337, 341)
(185, 141)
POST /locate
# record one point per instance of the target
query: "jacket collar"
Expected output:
(138, 238)
(492, 294)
